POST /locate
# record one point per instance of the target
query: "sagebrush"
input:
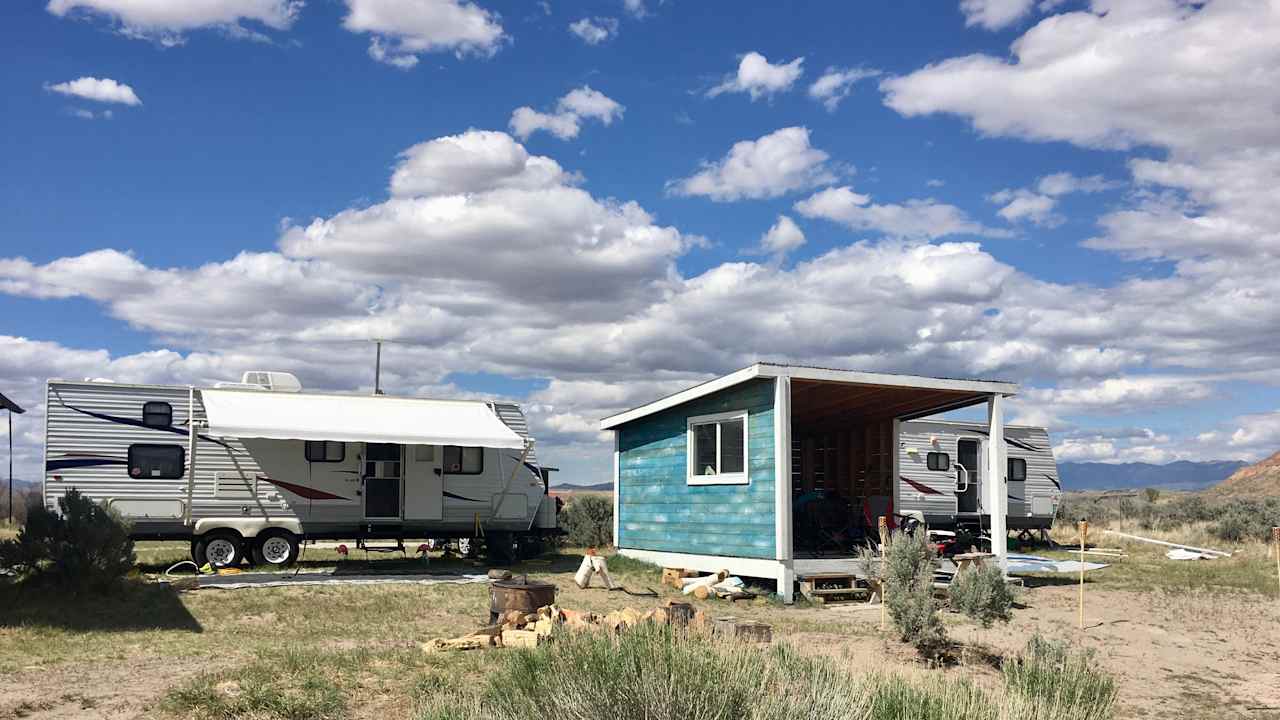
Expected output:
(908, 593)
(82, 547)
(588, 521)
(982, 594)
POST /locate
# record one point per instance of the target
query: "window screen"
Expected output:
(704, 453)
(463, 460)
(325, 451)
(1017, 469)
(938, 461)
(159, 462)
(157, 414)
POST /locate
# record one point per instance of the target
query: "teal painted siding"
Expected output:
(659, 510)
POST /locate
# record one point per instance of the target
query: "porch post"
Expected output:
(782, 486)
(617, 490)
(995, 481)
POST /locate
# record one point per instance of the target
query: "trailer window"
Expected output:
(1017, 469)
(463, 460)
(325, 451)
(157, 414)
(718, 449)
(938, 461)
(158, 462)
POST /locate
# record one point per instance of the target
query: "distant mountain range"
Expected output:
(1180, 475)
(598, 487)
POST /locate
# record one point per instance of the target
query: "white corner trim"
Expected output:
(782, 540)
(692, 476)
(617, 487)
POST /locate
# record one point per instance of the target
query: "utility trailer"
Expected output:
(253, 469)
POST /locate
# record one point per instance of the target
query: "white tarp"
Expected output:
(355, 418)
(1019, 564)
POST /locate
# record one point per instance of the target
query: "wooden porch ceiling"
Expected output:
(819, 404)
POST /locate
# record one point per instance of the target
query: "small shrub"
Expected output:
(588, 521)
(1150, 494)
(1059, 683)
(1242, 520)
(84, 547)
(909, 594)
(982, 594)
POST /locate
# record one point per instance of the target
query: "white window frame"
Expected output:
(737, 478)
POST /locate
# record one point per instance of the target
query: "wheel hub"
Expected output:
(220, 552)
(276, 550)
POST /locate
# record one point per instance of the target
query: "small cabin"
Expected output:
(728, 474)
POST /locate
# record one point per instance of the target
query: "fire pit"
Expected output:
(522, 595)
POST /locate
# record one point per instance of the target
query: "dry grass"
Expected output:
(1147, 569)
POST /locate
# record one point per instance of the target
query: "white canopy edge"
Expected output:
(355, 418)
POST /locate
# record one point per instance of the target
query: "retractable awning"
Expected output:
(355, 418)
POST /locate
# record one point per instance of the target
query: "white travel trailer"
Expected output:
(941, 466)
(254, 468)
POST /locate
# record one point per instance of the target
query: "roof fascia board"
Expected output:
(693, 393)
(888, 380)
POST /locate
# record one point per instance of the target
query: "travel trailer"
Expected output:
(253, 469)
(941, 470)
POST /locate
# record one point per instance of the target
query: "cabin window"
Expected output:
(463, 460)
(325, 451)
(938, 461)
(157, 414)
(157, 462)
(718, 449)
(1017, 469)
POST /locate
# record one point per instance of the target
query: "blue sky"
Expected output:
(1069, 195)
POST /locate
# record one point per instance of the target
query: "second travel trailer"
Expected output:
(254, 468)
(942, 465)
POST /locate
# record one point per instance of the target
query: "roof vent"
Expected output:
(265, 380)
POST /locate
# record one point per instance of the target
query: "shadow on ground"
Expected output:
(135, 606)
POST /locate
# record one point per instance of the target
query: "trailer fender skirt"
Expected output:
(247, 527)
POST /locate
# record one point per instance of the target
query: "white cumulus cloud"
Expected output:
(98, 89)
(994, 14)
(403, 30)
(564, 122)
(917, 218)
(594, 31)
(759, 78)
(836, 84)
(164, 22)
(775, 164)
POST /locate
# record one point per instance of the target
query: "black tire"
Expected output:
(227, 549)
(275, 548)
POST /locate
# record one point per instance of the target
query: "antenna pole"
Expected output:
(377, 369)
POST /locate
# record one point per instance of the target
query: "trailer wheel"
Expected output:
(275, 547)
(219, 548)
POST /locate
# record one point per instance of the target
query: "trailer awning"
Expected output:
(355, 418)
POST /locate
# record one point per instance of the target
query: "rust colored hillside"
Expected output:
(1261, 478)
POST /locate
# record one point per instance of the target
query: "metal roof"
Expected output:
(11, 406)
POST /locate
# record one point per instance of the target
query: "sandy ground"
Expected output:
(1175, 655)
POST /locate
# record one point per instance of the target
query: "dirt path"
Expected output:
(1175, 656)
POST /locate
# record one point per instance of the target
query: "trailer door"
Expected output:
(423, 483)
(382, 476)
(968, 455)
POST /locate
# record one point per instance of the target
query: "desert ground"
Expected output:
(1184, 639)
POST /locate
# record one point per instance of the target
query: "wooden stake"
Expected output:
(884, 559)
(1275, 535)
(1084, 529)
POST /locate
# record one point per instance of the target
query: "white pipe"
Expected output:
(1168, 544)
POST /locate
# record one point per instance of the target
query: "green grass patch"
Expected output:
(293, 684)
